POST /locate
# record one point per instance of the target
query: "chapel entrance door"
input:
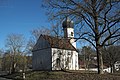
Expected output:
(58, 64)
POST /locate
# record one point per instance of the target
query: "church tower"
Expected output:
(68, 28)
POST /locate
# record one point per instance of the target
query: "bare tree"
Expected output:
(38, 31)
(56, 30)
(111, 56)
(15, 44)
(87, 52)
(6, 62)
(98, 20)
(1, 53)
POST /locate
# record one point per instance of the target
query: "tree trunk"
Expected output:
(99, 60)
(13, 67)
(10, 70)
(97, 40)
(111, 68)
(88, 61)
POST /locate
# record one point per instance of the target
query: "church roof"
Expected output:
(59, 43)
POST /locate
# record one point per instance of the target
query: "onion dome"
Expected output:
(67, 23)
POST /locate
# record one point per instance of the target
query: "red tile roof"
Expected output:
(59, 43)
(56, 42)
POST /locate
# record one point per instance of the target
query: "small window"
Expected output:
(71, 33)
(69, 53)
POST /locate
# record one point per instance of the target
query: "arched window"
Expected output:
(71, 33)
(58, 62)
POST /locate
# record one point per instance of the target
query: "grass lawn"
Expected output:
(61, 75)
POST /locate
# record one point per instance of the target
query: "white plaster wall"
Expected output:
(65, 55)
(72, 41)
(42, 59)
(69, 30)
(75, 62)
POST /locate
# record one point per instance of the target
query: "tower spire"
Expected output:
(68, 28)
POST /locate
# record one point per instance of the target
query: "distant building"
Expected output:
(52, 53)
(117, 65)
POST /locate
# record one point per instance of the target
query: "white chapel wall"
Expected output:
(68, 58)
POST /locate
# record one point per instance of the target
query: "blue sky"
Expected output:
(20, 16)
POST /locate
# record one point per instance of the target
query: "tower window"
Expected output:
(71, 33)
